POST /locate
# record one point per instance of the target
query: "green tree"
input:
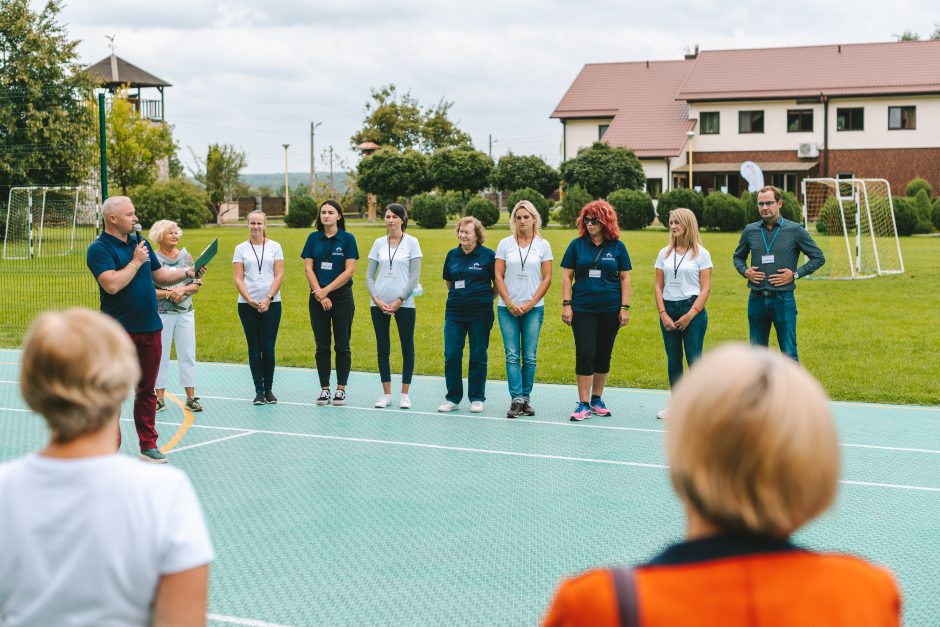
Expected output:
(303, 211)
(176, 199)
(536, 198)
(680, 197)
(600, 169)
(135, 145)
(220, 174)
(390, 174)
(922, 210)
(723, 212)
(515, 172)
(47, 126)
(917, 184)
(483, 210)
(429, 211)
(574, 200)
(460, 169)
(400, 121)
(634, 208)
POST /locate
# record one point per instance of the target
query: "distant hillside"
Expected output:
(276, 180)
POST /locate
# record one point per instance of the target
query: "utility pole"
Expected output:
(491, 146)
(332, 184)
(312, 179)
(286, 182)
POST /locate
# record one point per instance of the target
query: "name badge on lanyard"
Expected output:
(326, 265)
(767, 259)
(676, 284)
(594, 273)
(459, 285)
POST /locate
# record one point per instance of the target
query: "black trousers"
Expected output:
(334, 326)
(594, 337)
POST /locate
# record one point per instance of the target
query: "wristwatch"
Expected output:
(566, 303)
(796, 275)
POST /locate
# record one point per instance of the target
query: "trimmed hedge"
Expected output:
(575, 199)
(429, 211)
(177, 199)
(676, 198)
(935, 213)
(723, 212)
(905, 218)
(634, 208)
(922, 210)
(483, 210)
(303, 211)
(829, 220)
(791, 209)
(536, 198)
(918, 184)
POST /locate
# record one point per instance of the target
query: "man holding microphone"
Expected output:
(118, 262)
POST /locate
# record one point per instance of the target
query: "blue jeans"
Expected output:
(692, 338)
(455, 336)
(779, 310)
(520, 360)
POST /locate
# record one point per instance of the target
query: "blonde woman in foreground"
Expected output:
(90, 536)
(753, 457)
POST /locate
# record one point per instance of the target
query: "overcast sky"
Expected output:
(255, 73)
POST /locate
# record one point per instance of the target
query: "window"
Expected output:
(784, 181)
(850, 119)
(601, 129)
(710, 122)
(902, 118)
(654, 187)
(750, 121)
(799, 120)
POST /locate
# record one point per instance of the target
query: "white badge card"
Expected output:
(522, 275)
(594, 273)
(677, 284)
(767, 259)
(460, 284)
(390, 273)
(326, 265)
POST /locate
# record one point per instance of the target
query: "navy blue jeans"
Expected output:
(691, 339)
(382, 322)
(778, 310)
(261, 334)
(455, 336)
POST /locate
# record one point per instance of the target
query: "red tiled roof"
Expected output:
(641, 97)
(909, 67)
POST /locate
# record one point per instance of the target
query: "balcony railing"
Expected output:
(148, 109)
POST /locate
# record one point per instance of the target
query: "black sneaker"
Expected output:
(324, 398)
(340, 397)
(269, 398)
(259, 399)
(527, 410)
(515, 409)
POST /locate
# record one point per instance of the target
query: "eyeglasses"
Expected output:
(591, 221)
(767, 203)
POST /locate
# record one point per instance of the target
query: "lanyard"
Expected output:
(391, 256)
(675, 266)
(598, 255)
(328, 246)
(522, 259)
(772, 239)
(261, 260)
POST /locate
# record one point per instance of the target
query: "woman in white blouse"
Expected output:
(523, 276)
(683, 283)
(392, 278)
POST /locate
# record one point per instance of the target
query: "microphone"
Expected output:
(137, 230)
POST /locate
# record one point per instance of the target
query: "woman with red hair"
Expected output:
(595, 301)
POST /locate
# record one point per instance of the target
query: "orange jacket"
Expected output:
(782, 587)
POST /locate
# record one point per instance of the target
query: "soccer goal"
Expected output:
(854, 225)
(49, 221)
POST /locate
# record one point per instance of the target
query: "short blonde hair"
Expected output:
(160, 228)
(78, 366)
(751, 442)
(536, 217)
(478, 228)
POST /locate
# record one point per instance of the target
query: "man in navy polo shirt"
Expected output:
(129, 297)
(774, 245)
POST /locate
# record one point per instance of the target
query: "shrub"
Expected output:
(791, 209)
(534, 197)
(455, 202)
(515, 172)
(303, 211)
(429, 211)
(483, 210)
(600, 169)
(723, 212)
(575, 199)
(918, 184)
(905, 218)
(634, 208)
(829, 220)
(935, 213)
(681, 197)
(177, 199)
(922, 210)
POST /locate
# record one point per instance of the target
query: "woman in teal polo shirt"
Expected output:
(469, 271)
(595, 301)
(330, 256)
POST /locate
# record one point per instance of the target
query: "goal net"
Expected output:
(49, 221)
(852, 221)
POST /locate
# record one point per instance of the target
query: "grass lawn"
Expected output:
(858, 337)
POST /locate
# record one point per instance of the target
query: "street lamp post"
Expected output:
(286, 182)
(690, 135)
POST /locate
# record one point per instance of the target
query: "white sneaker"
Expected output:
(448, 406)
(383, 401)
(476, 407)
(405, 402)
(661, 414)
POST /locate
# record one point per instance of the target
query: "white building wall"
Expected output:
(774, 137)
(580, 134)
(876, 133)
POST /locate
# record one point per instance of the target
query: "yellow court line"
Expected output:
(188, 420)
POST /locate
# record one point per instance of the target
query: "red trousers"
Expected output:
(149, 349)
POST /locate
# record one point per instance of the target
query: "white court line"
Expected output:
(25, 411)
(206, 443)
(889, 485)
(235, 620)
(893, 448)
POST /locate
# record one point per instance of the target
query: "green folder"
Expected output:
(207, 255)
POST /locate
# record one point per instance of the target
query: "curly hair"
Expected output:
(601, 210)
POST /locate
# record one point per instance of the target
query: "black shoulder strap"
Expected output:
(625, 586)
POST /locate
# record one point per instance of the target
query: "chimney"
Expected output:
(692, 55)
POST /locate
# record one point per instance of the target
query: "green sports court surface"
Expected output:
(361, 516)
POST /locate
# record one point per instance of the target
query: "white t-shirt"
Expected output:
(259, 281)
(682, 278)
(522, 280)
(85, 541)
(390, 285)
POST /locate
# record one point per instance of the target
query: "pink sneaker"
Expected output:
(598, 407)
(582, 411)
